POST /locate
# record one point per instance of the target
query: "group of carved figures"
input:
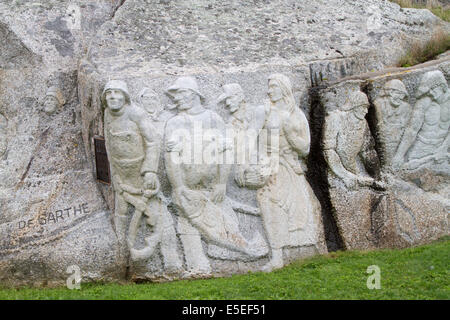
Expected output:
(410, 138)
(137, 135)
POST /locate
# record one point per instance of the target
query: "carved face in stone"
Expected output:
(233, 97)
(396, 93)
(361, 111)
(115, 100)
(53, 100)
(358, 104)
(275, 93)
(438, 91)
(150, 102)
(434, 85)
(395, 97)
(184, 98)
(51, 104)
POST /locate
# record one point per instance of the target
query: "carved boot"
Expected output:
(145, 253)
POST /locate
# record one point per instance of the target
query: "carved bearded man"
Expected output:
(134, 148)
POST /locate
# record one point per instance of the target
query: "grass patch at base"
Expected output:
(414, 273)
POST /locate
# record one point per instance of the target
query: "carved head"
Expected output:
(54, 99)
(396, 92)
(185, 93)
(280, 88)
(150, 102)
(233, 96)
(116, 95)
(434, 85)
(358, 103)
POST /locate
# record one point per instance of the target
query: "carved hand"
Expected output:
(253, 178)
(219, 193)
(173, 146)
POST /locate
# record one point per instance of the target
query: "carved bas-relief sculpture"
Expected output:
(410, 204)
(289, 208)
(346, 139)
(199, 180)
(426, 139)
(246, 123)
(3, 135)
(53, 100)
(393, 113)
(133, 146)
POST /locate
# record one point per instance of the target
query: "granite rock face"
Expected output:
(52, 213)
(60, 55)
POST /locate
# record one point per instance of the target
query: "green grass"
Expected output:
(415, 273)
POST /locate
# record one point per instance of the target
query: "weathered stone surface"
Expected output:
(45, 178)
(47, 170)
(403, 197)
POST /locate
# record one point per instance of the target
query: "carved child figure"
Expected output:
(393, 112)
(134, 148)
(426, 140)
(346, 136)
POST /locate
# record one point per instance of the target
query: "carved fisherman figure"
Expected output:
(393, 112)
(346, 136)
(134, 148)
(54, 99)
(426, 140)
(246, 122)
(199, 185)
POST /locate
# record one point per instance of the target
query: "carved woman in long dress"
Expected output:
(287, 201)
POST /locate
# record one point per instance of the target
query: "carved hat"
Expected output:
(396, 85)
(116, 85)
(356, 99)
(430, 80)
(230, 90)
(187, 83)
(56, 92)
